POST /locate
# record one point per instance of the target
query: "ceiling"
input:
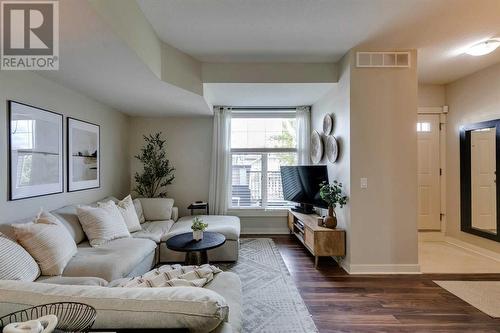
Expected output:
(324, 30)
(100, 65)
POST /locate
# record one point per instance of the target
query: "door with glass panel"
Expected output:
(428, 170)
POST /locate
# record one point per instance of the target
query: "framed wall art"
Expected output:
(83, 155)
(35, 143)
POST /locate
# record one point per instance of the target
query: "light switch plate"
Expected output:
(364, 182)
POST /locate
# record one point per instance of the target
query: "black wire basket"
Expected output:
(71, 316)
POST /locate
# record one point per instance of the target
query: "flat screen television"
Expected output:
(301, 184)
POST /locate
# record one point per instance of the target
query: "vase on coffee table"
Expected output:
(197, 235)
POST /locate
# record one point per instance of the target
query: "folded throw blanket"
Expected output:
(173, 276)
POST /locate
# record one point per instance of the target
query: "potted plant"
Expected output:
(198, 227)
(157, 172)
(333, 196)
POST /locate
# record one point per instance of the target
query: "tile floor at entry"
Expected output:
(442, 257)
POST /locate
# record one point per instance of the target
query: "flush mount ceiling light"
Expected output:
(483, 48)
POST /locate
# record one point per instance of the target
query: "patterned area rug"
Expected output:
(271, 301)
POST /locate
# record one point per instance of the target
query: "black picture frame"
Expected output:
(69, 173)
(465, 178)
(12, 196)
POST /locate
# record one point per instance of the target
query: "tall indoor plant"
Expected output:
(157, 172)
(333, 196)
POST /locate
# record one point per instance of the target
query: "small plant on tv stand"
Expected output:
(332, 194)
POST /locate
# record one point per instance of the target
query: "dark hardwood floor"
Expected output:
(340, 302)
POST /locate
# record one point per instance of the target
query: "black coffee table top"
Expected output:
(186, 243)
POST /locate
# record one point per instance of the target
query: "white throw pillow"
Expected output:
(102, 223)
(127, 209)
(138, 210)
(157, 209)
(15, 262)
(48, 241)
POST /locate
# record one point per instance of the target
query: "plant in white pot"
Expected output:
(332, 194)
(198, 227)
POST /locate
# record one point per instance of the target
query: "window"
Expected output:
(423, 127)
(260, 144)
(23, 137)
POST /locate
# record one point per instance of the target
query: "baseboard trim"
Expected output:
(343, 263)
(384, 269)
(467, 246)
(265, 232)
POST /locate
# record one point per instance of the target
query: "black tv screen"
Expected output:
(301, 184)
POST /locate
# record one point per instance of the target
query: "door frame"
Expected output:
(442, 112)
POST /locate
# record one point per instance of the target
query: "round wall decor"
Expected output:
(332, 149)
(316, 147)
(327, 124)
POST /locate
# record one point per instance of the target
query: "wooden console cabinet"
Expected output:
(320, 241)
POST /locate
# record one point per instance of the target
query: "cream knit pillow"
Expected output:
(127, 209)
(15, 262)
(103, 223)
(48, 241)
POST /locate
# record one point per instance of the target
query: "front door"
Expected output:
(429, 188)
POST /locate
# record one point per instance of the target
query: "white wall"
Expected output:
(384, 150)
(269, 72)
(471, 99)
(431, 95)
(32, 89)
(337, 103)
(189, 148)
(375, 111)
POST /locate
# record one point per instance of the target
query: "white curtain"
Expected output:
(218, 198)
(303, 134)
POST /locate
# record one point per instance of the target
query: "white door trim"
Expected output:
(432, 109)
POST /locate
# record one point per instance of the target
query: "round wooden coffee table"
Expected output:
(196, 251)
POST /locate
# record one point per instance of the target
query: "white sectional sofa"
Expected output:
(214, 308)
(87, 274)
(127, 257)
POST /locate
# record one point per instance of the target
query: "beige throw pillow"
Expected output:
(103, 223)
(47, 241)
(127, 209)
(138, 210)
(157, 209)
(15, 262)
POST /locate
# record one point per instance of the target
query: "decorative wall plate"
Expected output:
(332, 149)
(316, 147)
(327, 124)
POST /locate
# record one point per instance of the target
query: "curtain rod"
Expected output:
(258, 108)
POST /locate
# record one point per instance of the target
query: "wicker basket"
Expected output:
(71, 316)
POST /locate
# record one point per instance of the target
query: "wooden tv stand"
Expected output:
(320, 241)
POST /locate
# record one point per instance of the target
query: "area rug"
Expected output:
(483, 295)
(271, 301)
